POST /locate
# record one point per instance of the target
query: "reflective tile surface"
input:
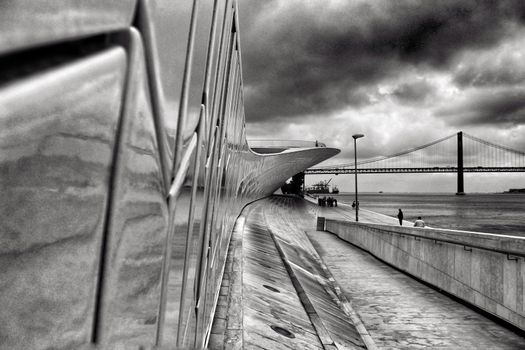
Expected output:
(57, 133)
(91, 98)
(34, 23)
(136, 236)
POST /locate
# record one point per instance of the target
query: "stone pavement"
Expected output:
(275, 294)
(401, 313)
(276, 283)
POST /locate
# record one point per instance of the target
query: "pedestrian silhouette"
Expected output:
(400, 217)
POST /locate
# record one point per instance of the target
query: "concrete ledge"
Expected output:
(486, 270)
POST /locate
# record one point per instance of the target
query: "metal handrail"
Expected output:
(191, 220)
(173, 193)
(214, 146)
(185, 91)
(156, 93)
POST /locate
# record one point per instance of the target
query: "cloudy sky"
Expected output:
(402, 72)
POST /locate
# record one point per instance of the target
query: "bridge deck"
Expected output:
(276, 277)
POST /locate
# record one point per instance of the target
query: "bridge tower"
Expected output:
(461, 187)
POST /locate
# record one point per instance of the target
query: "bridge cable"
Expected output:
(399, 154)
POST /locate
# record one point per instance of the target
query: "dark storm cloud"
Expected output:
(505, 75)
(506, 107)
(303, 59)
(413, 92)
(489, 72)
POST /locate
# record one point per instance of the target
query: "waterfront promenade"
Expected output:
(400, 312)
(289, 286)
(345, 212)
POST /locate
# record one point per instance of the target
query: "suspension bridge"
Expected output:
(458, 153)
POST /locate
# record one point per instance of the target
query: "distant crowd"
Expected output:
(327, 202)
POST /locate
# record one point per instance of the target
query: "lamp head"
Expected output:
(357, 136)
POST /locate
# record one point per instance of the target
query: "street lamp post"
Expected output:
(355, 137)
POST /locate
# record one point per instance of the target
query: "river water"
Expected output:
(494, 213)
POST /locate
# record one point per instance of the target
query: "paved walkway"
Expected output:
(346, 212)
(278, 277)
(275, 293)
(402, 313)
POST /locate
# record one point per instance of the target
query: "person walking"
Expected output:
(419, 222)
(400, 217)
